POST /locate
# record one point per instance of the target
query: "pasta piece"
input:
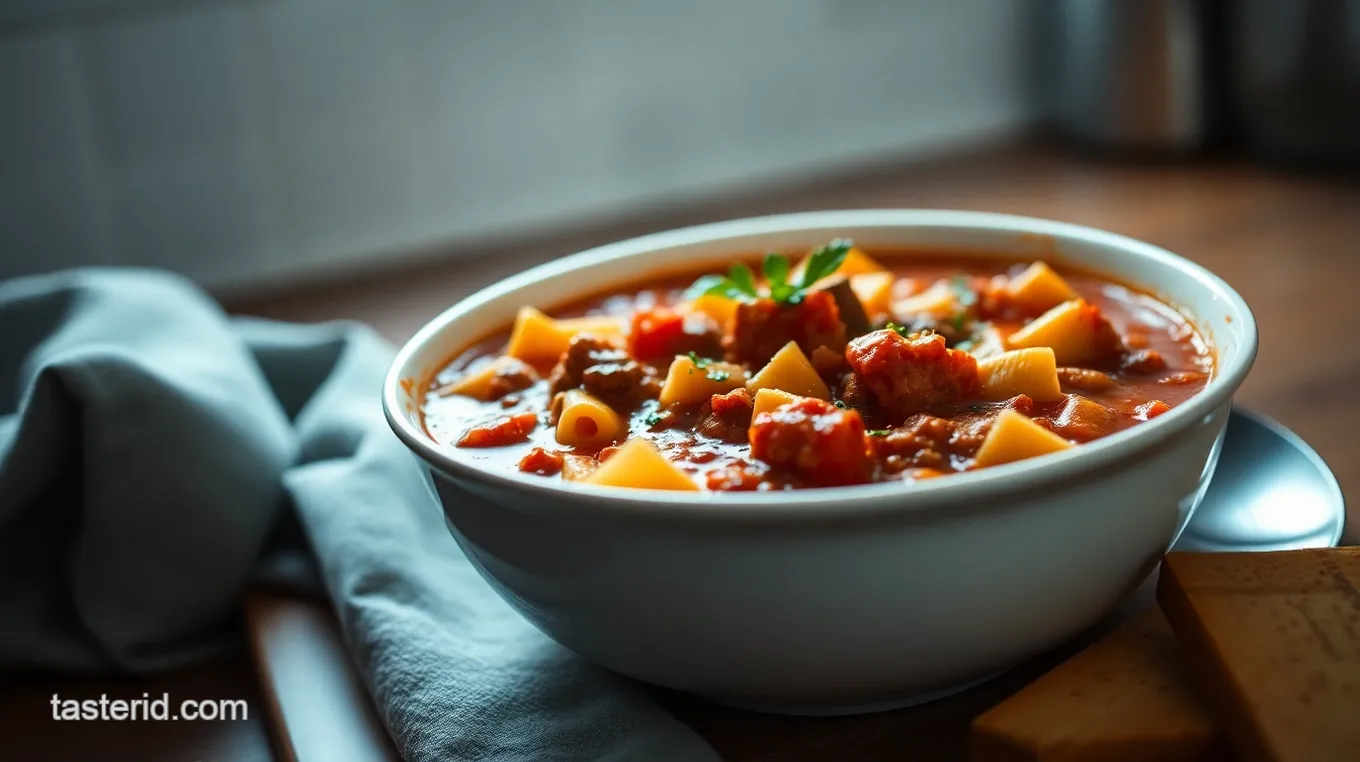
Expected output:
(719, 308)
(587, 422)
(766, 400)
(1039, 288)
(688, 381)
(791, 371)
(539, 338)
(638, 464)
(600, 325)
(1074, 330)
(1032, 372)
(874, 291)
(536, 337)
(1015, 437)
(938, 301)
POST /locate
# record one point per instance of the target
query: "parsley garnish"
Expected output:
(825, 261)
(841, 404)
(740, 281)
(703, 285)
(699, 362)
(776, 270)
(718, 375)
(879, 432)
(652, 418)
(965, 296)
(907, 333)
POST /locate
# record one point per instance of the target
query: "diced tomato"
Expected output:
(761, 328)
(1149, 410)
(506, 431)
(656, 333)
(541, 461)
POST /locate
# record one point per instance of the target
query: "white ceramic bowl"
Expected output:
(846, 599)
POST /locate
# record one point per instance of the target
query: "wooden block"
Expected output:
(1273, 639)
(1127, 698)
(317, 707)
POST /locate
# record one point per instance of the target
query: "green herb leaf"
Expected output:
(966, 297)
(824, 261)
(704, 285)
(699, 362)
(879, 432)
(742, 277)
(841, 404)
(740, 282)
(718, 375)
(726, 289)
(776, 269)
(652, 418)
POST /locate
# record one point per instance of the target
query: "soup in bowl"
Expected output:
(828, 461)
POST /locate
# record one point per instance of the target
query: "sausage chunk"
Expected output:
(1143, 361)
(815, 441)
(763, 327)
(972, 427)
(604, 370)
(921, 442)
(854, 393)
(727, 416)
(908, 375)
(511, 375)
(848, 304)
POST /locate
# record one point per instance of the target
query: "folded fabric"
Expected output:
(157, 456)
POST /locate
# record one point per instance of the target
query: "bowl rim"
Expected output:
(833, 502)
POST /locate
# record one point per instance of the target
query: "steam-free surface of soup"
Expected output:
(847, 367)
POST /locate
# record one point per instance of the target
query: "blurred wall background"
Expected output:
(254, 142)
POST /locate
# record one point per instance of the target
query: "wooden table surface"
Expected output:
(1290, 245)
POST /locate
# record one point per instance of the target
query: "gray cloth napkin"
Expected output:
(157, 456)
